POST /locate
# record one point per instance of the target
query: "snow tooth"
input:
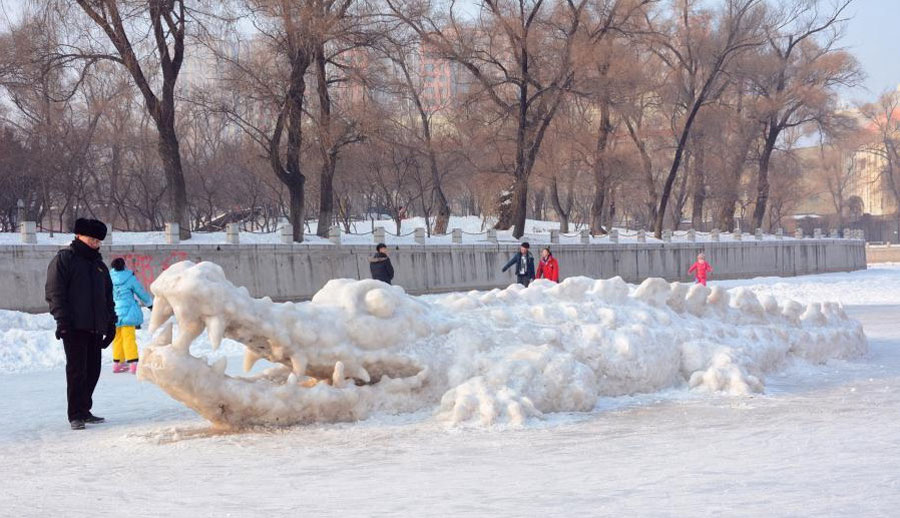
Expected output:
(250, 359)
(298, 365)
(292, 379)
(164, 337)
(215, 326)
(337, 378)
(220, 365)
(363, 374)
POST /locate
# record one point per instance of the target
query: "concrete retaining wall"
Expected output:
(296, 272)
(883, 254)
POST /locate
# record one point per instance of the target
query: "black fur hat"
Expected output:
(91, 228)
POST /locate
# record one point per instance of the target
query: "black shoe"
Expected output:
(76, 424)
(92, 419)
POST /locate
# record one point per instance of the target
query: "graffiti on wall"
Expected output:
(147, 267)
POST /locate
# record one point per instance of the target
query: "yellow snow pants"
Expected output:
(125, 345)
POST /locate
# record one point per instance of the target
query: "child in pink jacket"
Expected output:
(700, 269)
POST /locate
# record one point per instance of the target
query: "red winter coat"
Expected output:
(548, 269)
(700, 271)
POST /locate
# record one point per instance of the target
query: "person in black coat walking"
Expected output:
(79, 292)
(380, 264)
(524, 263)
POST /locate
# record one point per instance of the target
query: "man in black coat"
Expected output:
(79, 291)
(380, 264)
(524, 263)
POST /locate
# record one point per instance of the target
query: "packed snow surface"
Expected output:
(502, 356)
(821, 441)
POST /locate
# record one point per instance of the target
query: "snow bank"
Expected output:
(28, 343)
(503, 356)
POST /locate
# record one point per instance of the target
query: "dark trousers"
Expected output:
(524, 280)
(82, 371)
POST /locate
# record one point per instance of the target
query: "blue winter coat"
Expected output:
(125, 288)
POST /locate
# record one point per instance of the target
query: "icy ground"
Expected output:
(822, 441)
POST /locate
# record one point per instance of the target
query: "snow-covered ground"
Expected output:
(474, 230)
(822, 440)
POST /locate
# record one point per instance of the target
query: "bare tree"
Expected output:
(797, 84)
(520, 56)
(698, 57)
(167, 21)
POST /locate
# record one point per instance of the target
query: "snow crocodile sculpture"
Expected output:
(501, 356)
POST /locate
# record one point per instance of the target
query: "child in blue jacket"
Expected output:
(125, 288)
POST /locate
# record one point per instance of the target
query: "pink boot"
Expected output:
(133, 367)
(119, 367)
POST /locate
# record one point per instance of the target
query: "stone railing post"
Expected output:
(554, 236)
(642, 236)
(737, 235)
(334, 234)
(798, 233)
(779, 233)
(457, 236)
(287, 233)
(172, 234)
(233, 234)
(817, 233)
(613, 236)
(759, 234)
(692, 235)
(28, 231)
(378, 235)
(714, 235)
(419, 236)
(492, 235)
(667, 236)
(585, 236)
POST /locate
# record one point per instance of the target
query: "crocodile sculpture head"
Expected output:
(360, 347)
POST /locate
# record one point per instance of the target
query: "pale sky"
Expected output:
(873, 35)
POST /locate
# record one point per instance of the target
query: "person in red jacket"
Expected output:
(548, 267)
(700, 269)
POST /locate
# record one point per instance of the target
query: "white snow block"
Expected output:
(233, 234)
(334, 235)
(28, 231)
(173, 236)
(287, 233)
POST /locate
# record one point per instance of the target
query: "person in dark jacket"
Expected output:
(380, 264)
(80, 294)
(524, 263)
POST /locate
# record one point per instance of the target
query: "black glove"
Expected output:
(61, 331)
(109, 336)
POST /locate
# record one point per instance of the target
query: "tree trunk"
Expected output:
(327, 147)
(762, 183)
(513, 206)
(600, 173)
(557, 206)
(698, 196)
(171, 159)
(597, 208)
